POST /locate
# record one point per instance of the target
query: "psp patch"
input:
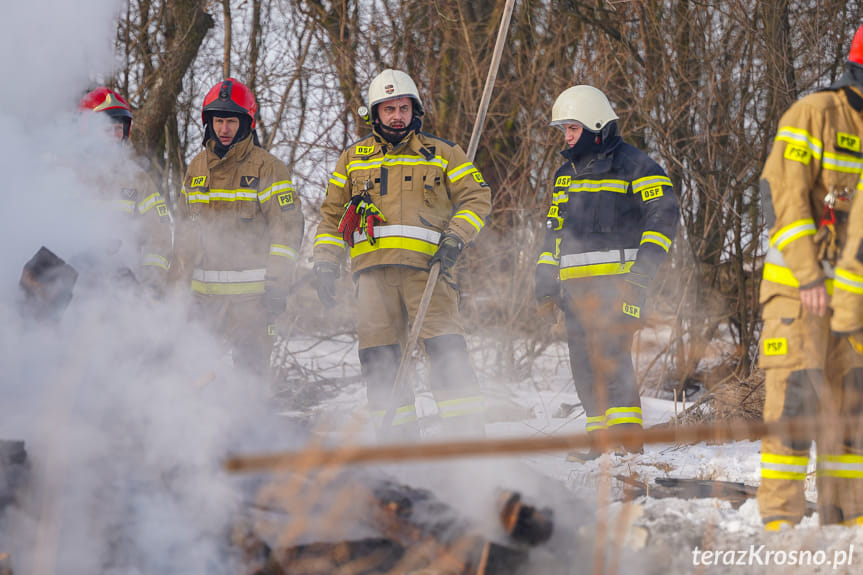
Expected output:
(797, 154)
(478, 177)
(162, 210)
(776, 346)
(286, 201)
(199, 181)
(248, 181)
(848, 141)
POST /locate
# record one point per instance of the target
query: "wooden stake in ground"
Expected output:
(407, 353)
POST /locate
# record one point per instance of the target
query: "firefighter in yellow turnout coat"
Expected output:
(239, 227)
(807, 185)
(399, 200)
(126, 189)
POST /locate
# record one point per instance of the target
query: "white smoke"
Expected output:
(124, 446)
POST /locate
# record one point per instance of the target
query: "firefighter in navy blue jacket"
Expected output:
(612, 219)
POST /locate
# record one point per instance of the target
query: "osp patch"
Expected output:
(651, 193)
(365, 150)
(632, 310)
(562, 181)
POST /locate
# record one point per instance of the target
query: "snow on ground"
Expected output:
(647, 534)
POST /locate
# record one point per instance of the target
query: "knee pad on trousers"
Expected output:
(450, 364)
(801, 400)
(379, 367)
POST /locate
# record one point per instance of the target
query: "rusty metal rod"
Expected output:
(721, 432)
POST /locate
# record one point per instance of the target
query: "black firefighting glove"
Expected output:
(326, 275)
(447, 252)
(547, 283)
(351, 219)
(275, 297)
(634, 294)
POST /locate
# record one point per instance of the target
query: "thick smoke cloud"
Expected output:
(124, 446)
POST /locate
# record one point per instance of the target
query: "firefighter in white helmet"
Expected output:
(612, 219)
(398, 201)
(808, 185)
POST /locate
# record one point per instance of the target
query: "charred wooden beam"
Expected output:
(414, 530)
(47, 282)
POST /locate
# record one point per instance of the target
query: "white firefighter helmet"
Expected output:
(583, 104)
(392, 84)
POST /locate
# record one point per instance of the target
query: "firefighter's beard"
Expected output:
(394, 136)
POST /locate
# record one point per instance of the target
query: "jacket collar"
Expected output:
(238, 152)
(596, 162)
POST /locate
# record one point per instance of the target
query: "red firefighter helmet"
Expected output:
(108, 101)
(230, 95)
(856, 53)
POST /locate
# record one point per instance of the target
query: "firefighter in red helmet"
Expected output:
(239, 228)
(807, 187)
(123, 186)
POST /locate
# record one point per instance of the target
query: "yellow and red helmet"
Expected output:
(232, 96)
(113, 104)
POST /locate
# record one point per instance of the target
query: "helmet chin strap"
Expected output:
(394, 136)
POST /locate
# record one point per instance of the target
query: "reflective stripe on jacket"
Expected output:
(611, 213)
(424, 186)
(817, 151)
(128, 191)
(237, 215)
(847, 300)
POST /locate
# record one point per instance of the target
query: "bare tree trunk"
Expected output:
(254, 46)
(226, 61)
(186, 24)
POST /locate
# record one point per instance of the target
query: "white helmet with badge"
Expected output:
(392, 84)
(583, 104)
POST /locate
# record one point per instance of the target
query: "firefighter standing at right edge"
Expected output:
(613, 217)
(401, 199)
(807, 186)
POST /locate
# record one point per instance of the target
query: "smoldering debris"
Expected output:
(372, 523)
